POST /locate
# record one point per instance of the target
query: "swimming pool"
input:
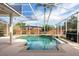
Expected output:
(42, 42)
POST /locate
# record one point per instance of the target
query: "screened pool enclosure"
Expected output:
(55, 19)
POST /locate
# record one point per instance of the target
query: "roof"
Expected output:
(5, 9)
(34, 11)
(33, 26)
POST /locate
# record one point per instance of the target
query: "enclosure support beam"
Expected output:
(29, 29)
(44, 20)
(33, 11)
(61, 29)
(66, 27)
(38, 30)
(58, 31)
(78, 28)
(11, 29)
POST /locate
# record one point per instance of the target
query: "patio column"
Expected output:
(78, 28)
(11, 29)
(7, 29)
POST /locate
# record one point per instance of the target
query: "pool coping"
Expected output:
(60, 41)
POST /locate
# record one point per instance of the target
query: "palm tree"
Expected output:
(42, 5)
(50, 7)
(46, 6)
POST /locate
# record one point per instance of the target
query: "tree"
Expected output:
(71, 24)
(20, 25)
(46, 7)
(2, 27)
(47, 27)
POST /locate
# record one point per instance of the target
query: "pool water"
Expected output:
(42, 42)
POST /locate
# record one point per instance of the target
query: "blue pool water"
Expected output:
(42, 42)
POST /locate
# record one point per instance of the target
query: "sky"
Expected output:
(60, 12)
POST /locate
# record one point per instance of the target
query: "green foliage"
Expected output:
(2, 26)
(47, 27)
(71, 24)
(19, 25)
